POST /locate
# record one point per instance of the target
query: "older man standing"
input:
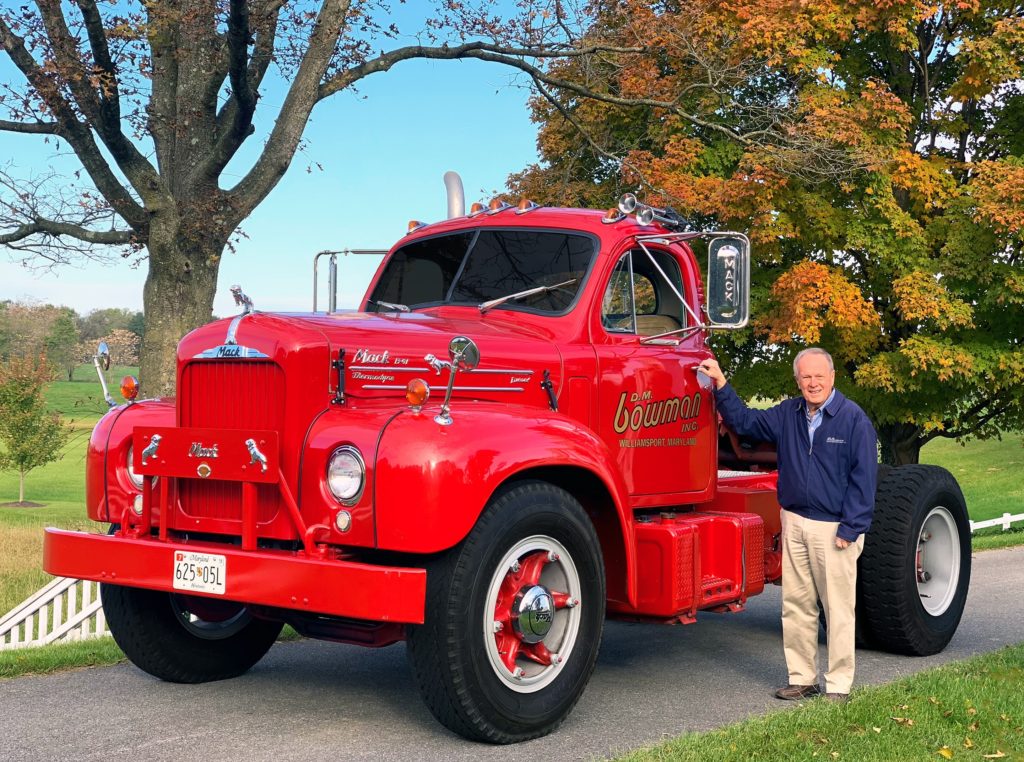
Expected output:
(827, 459)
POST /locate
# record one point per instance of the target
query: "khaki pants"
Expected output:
(814, 569)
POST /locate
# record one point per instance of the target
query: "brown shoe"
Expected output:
(838, 698)
(797, 692)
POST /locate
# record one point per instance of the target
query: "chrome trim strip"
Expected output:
(390, 368)
(231, 352)
(399, 387)
(412, 369)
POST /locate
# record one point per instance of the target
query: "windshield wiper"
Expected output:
(484, 306)
(391, 306)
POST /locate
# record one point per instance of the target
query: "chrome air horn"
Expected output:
(645, 214)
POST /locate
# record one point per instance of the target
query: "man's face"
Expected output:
(815, 379)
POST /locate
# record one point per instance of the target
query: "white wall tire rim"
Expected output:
(938, 557)
(561, 578)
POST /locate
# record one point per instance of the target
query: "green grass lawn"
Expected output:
(971, 710)
(82, 398)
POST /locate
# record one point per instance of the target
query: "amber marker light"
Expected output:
(476, 208)
(130, 388)
(612, 215)
(496, 204)
(417, 392)
(414, 225)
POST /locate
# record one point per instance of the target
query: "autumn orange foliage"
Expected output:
(874, 152)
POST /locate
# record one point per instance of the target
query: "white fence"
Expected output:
(66, 609)
(1003, 522)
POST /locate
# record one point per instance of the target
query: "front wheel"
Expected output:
(916, 565)
(185, 638)
(514, 618)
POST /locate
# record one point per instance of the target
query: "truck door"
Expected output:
(653, 413)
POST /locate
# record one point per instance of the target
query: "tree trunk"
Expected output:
(901, 443)
(177, 297)
(21, 486)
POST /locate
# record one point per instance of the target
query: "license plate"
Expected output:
(199, 572)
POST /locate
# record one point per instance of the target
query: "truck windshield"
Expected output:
(477, 266)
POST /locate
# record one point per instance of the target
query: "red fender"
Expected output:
(431, 482)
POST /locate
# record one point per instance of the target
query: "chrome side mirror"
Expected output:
(465, 355)
(103, 353)
(101, 361)
(729, 281)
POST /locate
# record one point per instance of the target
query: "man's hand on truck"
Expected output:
(713, 371)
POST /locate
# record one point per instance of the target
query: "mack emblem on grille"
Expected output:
(230, 351)
(198, 451)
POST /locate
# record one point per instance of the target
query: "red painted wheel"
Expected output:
(514, 618)
(532, 614)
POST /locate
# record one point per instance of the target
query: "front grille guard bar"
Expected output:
(139, 525)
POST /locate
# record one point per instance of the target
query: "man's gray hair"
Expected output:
(811, 351)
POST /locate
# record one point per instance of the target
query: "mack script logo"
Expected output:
(642, 412)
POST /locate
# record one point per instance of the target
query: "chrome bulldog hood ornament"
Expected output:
(231, 349)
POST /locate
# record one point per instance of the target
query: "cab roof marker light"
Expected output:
(497, 205)
(612, 215)
(415, 225)
(526, 205)
(476, 208)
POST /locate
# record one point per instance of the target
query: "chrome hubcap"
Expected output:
(531, 618)
(533, 613)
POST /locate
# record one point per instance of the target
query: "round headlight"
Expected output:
(136, 478)
(346, 474)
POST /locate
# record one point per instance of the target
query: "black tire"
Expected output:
(185, 639)
(904, 609)
(456, 655)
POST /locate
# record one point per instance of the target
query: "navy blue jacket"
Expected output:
(833, 480)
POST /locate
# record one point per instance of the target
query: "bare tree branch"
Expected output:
(71, 129)
(110, 96)
(57, 229)
(106, 120)
(35, 128)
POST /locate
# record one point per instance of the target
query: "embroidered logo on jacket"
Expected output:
(835, 440)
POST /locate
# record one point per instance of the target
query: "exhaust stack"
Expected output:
(456, 195)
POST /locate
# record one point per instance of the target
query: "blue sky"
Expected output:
(383, 152)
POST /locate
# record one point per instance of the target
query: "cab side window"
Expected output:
(639, 300)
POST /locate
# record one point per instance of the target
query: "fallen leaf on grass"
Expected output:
(905, 721)
(1004, 717)
(973, 726)
(946, 752)
(933, 700)
(968, 743)
(948, 713)
(997, 755)
(971, 711)
(877, 730)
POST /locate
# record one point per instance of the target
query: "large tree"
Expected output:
(156, 98)
(875, 152)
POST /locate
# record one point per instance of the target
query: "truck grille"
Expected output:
(227, 394)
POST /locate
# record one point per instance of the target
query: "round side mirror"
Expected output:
(464, 353)
(103, 352)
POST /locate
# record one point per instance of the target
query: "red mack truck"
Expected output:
(506, 444)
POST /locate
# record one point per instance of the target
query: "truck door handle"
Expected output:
(703, 379)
